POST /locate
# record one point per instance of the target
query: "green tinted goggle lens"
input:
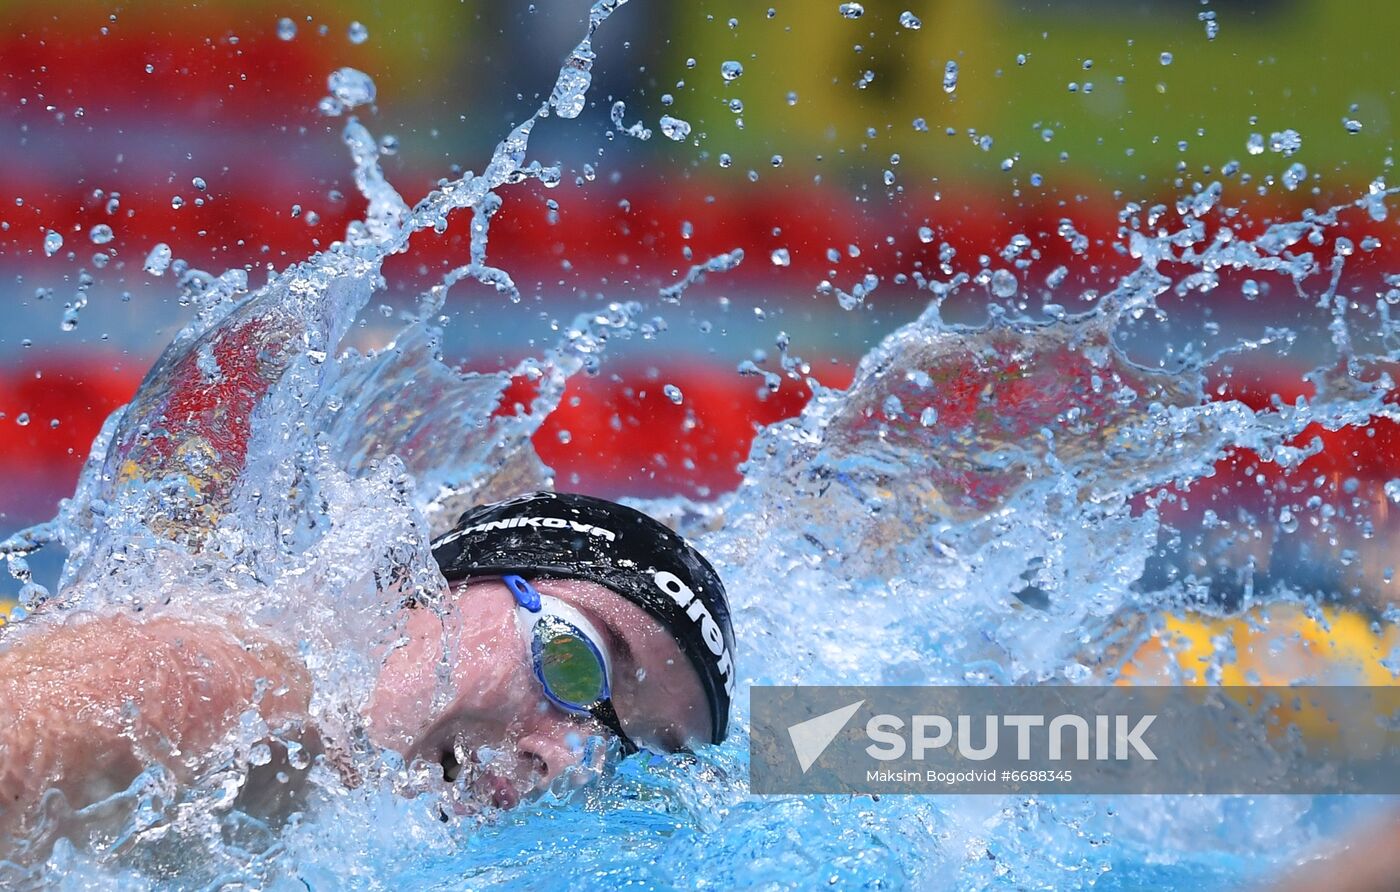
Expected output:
(570, 669)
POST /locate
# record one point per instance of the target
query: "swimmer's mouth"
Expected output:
(451, 768)
(485, 786)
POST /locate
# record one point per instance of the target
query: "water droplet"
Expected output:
(198, 183)
(928, 417)
(1004, 283)
(1294, 175)
(1352, 125)
(52, 243)
(674, 128)
(792, 97)
(950, 76)
(1285, 141)
(925, 234)
(1255, 144)
(575, 77)
(851, 10)
(910, 21)
(673, 393)
(53, 424)
(158, 261)
(1165, 58)
(351, 87)
(177, 202)
(780, 257)
(357, 33)
(100, 234)
(286, 29)
(725, 160)
(22, 419)
(1212, 26)
(776, 160)
(1392, 490)
(731, 71)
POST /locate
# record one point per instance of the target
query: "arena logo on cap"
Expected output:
(699, 614)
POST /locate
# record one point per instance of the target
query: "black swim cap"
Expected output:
(575, 536)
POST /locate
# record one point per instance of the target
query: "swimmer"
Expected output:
(564, 617)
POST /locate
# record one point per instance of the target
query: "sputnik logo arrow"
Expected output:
(811, 738)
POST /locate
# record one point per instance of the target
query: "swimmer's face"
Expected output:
(488, 695)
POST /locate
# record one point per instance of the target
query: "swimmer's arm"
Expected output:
(85, 706)
(1364, 859)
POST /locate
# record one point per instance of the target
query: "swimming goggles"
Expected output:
(568, 656)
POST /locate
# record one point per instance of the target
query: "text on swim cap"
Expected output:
(672, 585)
(553, 523)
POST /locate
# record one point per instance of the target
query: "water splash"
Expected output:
(576, 75)
(720, 263)
(637, 130)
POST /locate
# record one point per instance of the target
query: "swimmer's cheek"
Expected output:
(400, 706)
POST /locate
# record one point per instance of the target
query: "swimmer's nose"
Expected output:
(555, 744)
